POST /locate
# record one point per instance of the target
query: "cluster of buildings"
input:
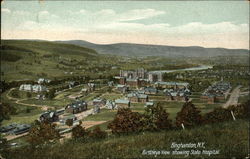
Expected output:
(216, 92)
(138, 78)
(177, 94)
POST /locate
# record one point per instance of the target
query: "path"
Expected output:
(18, 101)
(233, 99)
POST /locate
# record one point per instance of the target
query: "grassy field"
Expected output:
(229, 138)
(104, 115)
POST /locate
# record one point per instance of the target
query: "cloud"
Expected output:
(46, 15)
(21, 13)
(138, 14)
(113, 16)
(5, 10)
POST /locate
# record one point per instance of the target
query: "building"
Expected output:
(96, 109)
(216, 92)
(110, 105)
(148, 104)
(154, 76)
(49, 116)
(122, 103)
(173, 85)
(150, 90)
(137, 98)
(138, 73)
(177, 94)
(98, 101)
(76, 107)
(69, 117)
(43, 81)
(91, 86)
(7, 128)
(32, 88)
(122, 88)
(21, 128)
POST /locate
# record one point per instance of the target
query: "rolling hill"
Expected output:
(24, 59)
(141, 50)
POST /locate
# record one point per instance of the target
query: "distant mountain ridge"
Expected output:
(142, 50)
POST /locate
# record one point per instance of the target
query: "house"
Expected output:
(122, 88)
(91, 86)
(100, 102)
(122, 103)
(49, 116)
(111, 83)
(137, 98)
(40, 96)
(150, 90)
(84, 91)
(110, 104)
(76, 107)
(73, 84)
(43, 81)
(96, 109)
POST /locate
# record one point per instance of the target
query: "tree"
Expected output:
(69, 122)
(5, 111)
(217, 115)
(189, 115)
(126, 121)
(241, 110)
(51, 93)
(42, 132)
(156, 118)
(28, 95)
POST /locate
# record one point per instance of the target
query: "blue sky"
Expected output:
(180, 23)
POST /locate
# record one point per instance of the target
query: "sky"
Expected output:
(179, 23)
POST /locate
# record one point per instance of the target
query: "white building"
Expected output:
(32, 88)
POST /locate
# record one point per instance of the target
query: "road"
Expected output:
(233, 99)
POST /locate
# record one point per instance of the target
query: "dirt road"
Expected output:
(233, 99)
(86, 125)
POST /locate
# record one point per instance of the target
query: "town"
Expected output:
(135, 89)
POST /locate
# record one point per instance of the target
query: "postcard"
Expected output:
(124, 79)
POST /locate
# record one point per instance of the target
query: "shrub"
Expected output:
(97, 133)
(189, 115)
(42, 132)
(69, 122)
(217, 115)
(79, 132)
(126, 121)
(156, 118)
